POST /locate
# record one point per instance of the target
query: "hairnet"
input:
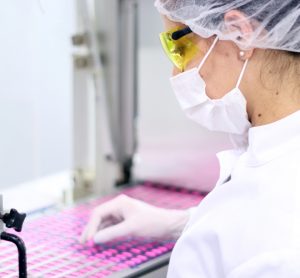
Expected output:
(276, 23)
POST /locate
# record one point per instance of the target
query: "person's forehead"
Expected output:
(169, 24)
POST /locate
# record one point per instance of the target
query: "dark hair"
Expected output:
(294, 54)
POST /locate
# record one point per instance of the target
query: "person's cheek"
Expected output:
(193, 63)
(175, 71)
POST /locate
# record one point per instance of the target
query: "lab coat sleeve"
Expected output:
(279, 264)
(196, 256)
(190, 211)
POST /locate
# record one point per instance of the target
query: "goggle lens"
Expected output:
(179, 51)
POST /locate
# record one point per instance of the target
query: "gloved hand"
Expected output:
(125, 216)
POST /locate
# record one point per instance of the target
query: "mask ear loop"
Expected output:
(207, 53)
(242, 74)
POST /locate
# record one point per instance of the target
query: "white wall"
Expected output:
(35, 88)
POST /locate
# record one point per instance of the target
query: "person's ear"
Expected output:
(236, 21)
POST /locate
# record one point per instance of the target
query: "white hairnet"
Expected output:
(276, 23)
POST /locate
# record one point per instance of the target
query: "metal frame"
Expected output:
(116, 22)
(1, 212)
(105, 93)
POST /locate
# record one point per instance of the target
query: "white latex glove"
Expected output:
(128, 216)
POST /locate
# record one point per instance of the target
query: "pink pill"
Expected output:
(163, 249)
(131, 263)
(115, 259)
(121, 256)
(142, 248)
(157, 251)
(137, 260)
(112, 251)
(106, 253)
(106, 272)
(118, 267)
(136, 251)
(100, 256)
(122, 247)
(127, 254)
(150, 254)
(142, 257)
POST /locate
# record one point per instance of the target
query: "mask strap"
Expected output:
(241, 74)
(207, 53)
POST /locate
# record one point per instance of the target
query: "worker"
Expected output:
(237, 69)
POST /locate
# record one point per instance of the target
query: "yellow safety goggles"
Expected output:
(179, 49)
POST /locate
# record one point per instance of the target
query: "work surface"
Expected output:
(53, 249)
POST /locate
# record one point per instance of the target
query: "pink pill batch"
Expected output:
(52, 243)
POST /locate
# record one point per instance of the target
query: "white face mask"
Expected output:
(227, 114)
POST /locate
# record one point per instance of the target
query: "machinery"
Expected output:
(14, 220)
(105, 93)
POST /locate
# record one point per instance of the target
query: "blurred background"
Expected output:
(53, 102)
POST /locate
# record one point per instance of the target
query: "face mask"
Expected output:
(227, 114)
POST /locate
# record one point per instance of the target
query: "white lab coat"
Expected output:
(249, 226)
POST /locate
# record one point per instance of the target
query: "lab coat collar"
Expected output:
(272, 140)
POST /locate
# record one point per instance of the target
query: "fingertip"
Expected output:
(90, 236)
(97, 239)
(81, 239)
(112, 232)
(100, 238)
